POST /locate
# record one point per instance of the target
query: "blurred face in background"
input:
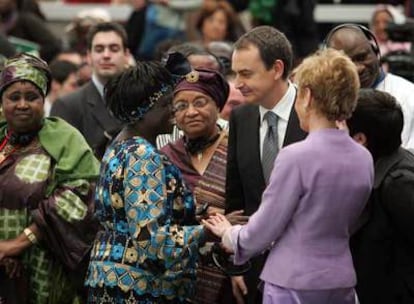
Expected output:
(235, 99)
(214, 27)
(107, 55)
(204, 61)
(7, 6)
(69, 85)
(379, 24)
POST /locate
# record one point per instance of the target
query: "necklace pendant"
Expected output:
(199, 156)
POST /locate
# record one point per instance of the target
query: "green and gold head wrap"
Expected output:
(26, 67)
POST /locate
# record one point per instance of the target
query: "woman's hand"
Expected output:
(16, 246)
(217, 224)
(13, 267)
(9, 248)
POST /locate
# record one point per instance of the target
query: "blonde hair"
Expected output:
(333, 80)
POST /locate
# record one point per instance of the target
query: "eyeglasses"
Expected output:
(182, 106)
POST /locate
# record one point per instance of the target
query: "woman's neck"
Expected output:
(212, 133)
(137, 129)
(319, 122)
(22, 138)
(199, 144)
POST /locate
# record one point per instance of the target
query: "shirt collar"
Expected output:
(380, 78)
(99, 86)
(283, 108)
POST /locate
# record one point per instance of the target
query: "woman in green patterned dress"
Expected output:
(47, 172)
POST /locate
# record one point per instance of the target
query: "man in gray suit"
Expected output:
(85, 109)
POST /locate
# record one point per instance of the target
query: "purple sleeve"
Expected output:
(278, 205)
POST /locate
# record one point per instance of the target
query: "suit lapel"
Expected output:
(98, 110)
(255, 136)
(252, 134)
(293, 131)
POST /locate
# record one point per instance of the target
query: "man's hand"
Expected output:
(237, 217)
(239, 288)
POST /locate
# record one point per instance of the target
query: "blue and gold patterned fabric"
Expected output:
(150, 239)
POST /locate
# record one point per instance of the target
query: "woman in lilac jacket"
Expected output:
(317, 190)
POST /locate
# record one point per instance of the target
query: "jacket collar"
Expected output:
(384, 165)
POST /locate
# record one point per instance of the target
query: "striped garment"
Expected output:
(212, 285)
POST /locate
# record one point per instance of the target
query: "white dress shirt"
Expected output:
(403, 91)
(282, 110)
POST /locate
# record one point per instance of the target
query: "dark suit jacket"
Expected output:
(244, 177)
(244, 181)
(86, 111)
(383, 247)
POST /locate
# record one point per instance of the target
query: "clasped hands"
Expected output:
(218, 224)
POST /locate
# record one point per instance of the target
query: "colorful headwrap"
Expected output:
(26, 67)
(208, 82)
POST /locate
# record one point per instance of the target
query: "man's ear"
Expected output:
(279, 68)
(55, 86)
(88, 58)
(360, 138)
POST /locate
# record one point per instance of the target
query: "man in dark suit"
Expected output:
(85, 109)
(383, 245)
(262, 62)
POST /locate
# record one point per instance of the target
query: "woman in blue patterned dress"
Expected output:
(147, 252)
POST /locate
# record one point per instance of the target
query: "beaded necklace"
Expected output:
(15, 141)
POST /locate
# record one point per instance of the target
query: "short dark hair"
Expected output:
(107, 27)
(379, 116)
(272, 45)
(133, 88)
(61, 70)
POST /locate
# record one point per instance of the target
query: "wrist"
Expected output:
(30, 236)
(226, 239)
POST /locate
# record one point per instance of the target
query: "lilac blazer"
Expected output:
(317, 190)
